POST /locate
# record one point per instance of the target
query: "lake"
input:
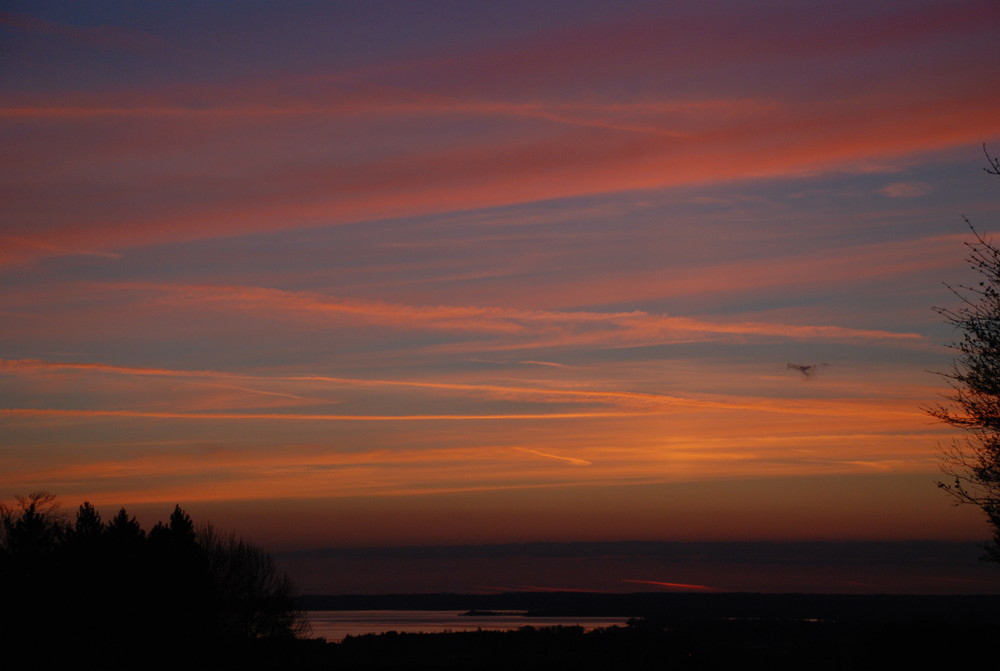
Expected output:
(334, 625)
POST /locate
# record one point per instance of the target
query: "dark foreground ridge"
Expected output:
(678, 631)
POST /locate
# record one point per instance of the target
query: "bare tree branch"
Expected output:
(972, 462)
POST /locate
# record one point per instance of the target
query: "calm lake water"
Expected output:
(334, 625)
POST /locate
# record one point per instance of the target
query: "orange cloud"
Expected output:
(235, 473)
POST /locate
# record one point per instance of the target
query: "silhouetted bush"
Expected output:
(86, 590)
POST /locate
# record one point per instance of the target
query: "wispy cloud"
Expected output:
(905, 189)
(626, 403)
(521, 328)
(105, 37)
(546, 455)
(277, 416)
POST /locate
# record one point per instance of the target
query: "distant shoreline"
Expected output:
(678, 631)
(683, 606)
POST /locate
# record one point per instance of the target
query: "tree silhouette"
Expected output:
(132, 599)
(973, 461)
(254, 599)
(34, 528)
(88, 523)
(124, 531)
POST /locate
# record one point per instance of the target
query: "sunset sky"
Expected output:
(356, 274)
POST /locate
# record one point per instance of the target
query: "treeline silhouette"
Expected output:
(83, 589)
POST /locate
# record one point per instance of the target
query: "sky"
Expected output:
(397, 274)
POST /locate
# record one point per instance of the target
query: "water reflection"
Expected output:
(334, 625)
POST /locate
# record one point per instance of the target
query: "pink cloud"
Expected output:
(593, 147)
